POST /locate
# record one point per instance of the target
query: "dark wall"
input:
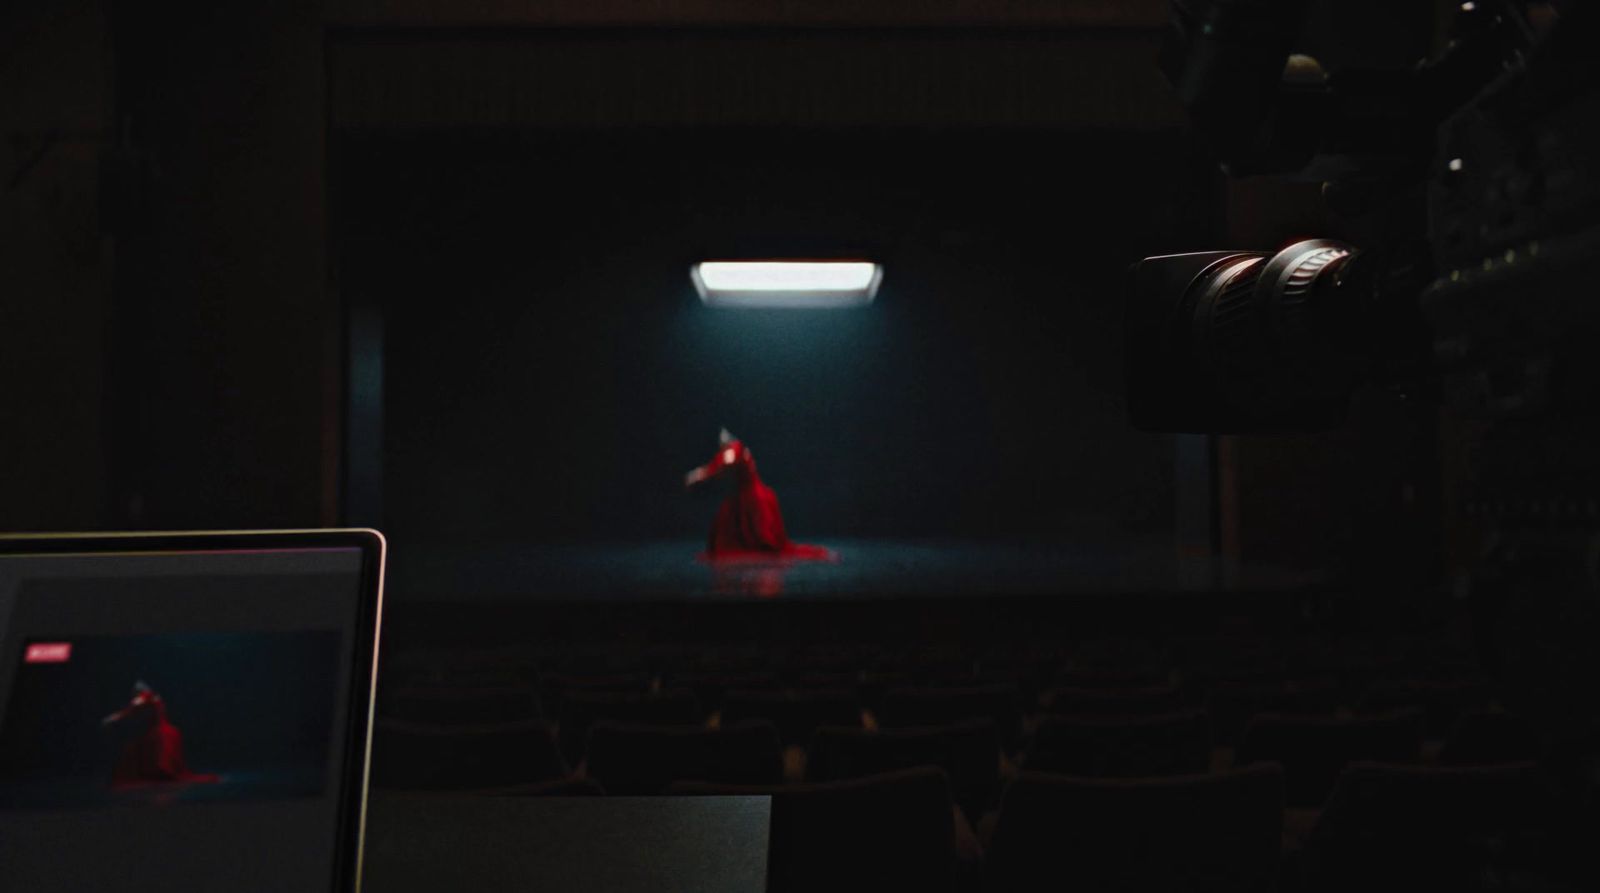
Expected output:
(223, 376)
(55, 263)
(550, 372)
(168, 345)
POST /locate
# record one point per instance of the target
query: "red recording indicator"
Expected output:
(48, 653)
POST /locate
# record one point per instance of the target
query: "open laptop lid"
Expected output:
(186, 711)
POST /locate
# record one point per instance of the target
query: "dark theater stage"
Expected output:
(963, 434)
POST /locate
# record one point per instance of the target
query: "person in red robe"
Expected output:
(155, 755)
(748, 524)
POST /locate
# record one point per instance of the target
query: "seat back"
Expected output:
(711, 687)
(969, 754)
(1217, 832)
(1144, 701)
(1394, 827)
(1233, 703)
(926, 706)
(554, 687)
(1441, 702)
(1100, 747)
(452, 705)
(419, 756)
(642, 759)
(1484, 738)
(582, 709)
(1110, 678)
(1313, 750)
(795, 712)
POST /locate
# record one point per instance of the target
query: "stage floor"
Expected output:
(666, 570)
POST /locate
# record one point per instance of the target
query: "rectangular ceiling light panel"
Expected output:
(791, 284)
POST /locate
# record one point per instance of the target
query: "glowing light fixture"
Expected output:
(786, 283)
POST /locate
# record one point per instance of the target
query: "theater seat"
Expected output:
(872, 686)
(710, 688)
(1313, 750)
(643, 759)
(1407, 828)
(1441, 702)
(419, 756)
(1232, 704)
(968, 752)
(1148, 700)
(888, 832)
(582, 709)
(555, 686)
(1483, 738)
(1108, 747)
(1218, 832)
(796, 713)
(924, 706)
(1110, 678)
(454, 705)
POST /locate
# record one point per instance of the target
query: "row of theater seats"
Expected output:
(1351, 769)
(640, 758)
(1152, 727)
(1313, 685)
(807, 704)
(1384, 828)
(1120, 662)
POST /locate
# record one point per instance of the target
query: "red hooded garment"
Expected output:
(155, 755)
(749, 524)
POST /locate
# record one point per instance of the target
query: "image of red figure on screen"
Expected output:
(155, 755)
(748, 524)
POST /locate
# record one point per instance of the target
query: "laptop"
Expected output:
(186, 711)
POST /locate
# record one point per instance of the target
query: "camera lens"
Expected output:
(1268, 330)
(1235, 341)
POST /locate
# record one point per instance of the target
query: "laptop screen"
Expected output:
(181, 720)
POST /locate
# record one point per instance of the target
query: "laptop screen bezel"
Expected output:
(357, 734)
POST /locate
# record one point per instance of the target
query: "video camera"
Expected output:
(1481, 159)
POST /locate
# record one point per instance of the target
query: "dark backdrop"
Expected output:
(549, 373)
